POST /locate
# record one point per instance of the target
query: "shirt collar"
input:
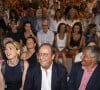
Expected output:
(83, 67)
(49, 69)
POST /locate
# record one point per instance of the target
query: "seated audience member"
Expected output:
(89, 43)
(44, 17)
(14, 32)
(13, 15)
(72, 17)
(45, 35)
(86, 20)
(54, 7)
(30, 54)
(5, 40)
(28, 30)
(58, 19)
(46, 75)
(13, 70)
(52, 18)
(85, 75)
(75, 40)
(61, 44)
(29, 16)
(91, 33)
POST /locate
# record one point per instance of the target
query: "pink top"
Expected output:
(85, 78)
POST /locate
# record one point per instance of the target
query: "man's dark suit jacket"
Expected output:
(34, 78)
(76, 77)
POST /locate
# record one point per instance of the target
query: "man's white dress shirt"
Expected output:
(46, 78)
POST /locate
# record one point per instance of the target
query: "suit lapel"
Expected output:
(54, 77)
(93, 78)
(38, 78)
(79, 77)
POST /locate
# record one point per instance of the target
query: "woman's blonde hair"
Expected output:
(16, 45)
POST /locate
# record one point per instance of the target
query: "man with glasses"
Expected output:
(46, 75)
(45, 35)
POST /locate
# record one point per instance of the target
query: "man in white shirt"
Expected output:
(47, 74)
(45, 35)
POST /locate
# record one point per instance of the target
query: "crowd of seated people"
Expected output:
(67, 25)
(27, 20)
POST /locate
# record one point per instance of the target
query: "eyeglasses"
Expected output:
(43, 54)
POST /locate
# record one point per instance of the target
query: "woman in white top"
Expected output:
(58, 18)
(61, 44)
(72, 17)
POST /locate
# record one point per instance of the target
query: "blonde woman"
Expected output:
(13, 70)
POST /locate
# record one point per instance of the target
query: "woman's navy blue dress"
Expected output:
(13, 77)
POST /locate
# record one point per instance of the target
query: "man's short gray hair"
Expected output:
(95, 52)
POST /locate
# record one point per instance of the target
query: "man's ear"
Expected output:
(18, 52)
(53, 56)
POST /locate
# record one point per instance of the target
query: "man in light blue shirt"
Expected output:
(45, 35)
